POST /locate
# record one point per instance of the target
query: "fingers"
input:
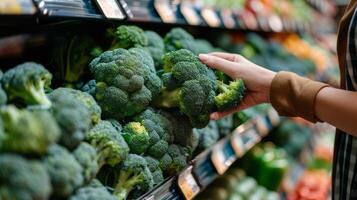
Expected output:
(227, 56)
(220, 64)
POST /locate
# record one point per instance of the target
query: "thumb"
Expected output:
(220, 64)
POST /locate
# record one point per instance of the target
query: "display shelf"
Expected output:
(215, 161)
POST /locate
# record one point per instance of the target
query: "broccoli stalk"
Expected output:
(229, 95)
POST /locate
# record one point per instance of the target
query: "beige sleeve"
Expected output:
(294, 96)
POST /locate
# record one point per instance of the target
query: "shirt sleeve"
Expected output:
(294, 96)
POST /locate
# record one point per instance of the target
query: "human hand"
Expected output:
(257, 79)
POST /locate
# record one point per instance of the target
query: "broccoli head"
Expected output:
(73, 118)
(86, 99)
(196, 85)
(89, 87)
(134, 174)
(175, 159)
(27, 132)
(129, 36)
(137, 137)
(86, 155)
(126, 82)
(110, 145)
(27, 82)
(203, 46)
(23, 179)
(64, 170)
(177, 39)
(229, 96)
(92, 193)
(155, 47)
(154, 167)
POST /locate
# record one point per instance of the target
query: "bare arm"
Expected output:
(338, 108)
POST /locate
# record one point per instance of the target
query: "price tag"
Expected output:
(228, 19)
(237, 144)
(249, 138)
(165, 11)
(262, 125)
(222, 156)
(210, 17)
(110, 9)
(188, 184)
(273, 117)
(190, 14)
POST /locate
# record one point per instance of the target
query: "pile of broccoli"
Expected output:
(127, 129)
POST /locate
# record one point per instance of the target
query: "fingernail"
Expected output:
(214, 116)
(203, 57)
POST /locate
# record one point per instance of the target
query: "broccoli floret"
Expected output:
(177, 39)
(129, 36)
(225, 125)
(174, 160)
(92, 193)
(196, 87)
(27, 132)
(134, 174)
(137, 137)
(27, 82)
(23, 179)
(126, 82)
(158, 149)
(71, 55)
(229, 96)
(116, 125)
(64, 170)
(110, 145)
(208, 136)
(155, 47)
(86, 99)
(86, 156)
(73, 118)
(154, 167)
(89, 87)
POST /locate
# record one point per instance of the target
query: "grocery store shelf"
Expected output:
(215, 161)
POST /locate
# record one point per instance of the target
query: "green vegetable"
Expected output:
(136, 137)
(86, 99)
(129, 36)
(154, 167)
(203, 46)
(175, 159)
(134, 174)
(178, 39)
(64, 170)
(229, 96)
(155, 47)
(23, 179)
(89, 87)
(73, 118)
(3, 96)
(86, 156)
(27, 132)
(27, 82)
(126, 82)
(92, 193)
(110, 145)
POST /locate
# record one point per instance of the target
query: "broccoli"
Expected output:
(155, 47)
(27, 82)
(137, 137)
(71, 55)
(196, 87)
(129, 36)
(89, 87)
(134, 174)
(154, 167)
(116, 125)
(73, 118)
(177, 39)
(27, 132)
(86, 156)
(229, 96)
(3, 96)
(23, 179)
(126, 82)
(208, 136)
(175, 159)
(203, 46)
(110, 146)
(92, 193)
(86, 99)
(64, 170)
(225, 125)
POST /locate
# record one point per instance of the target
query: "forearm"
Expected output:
(337, 107)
